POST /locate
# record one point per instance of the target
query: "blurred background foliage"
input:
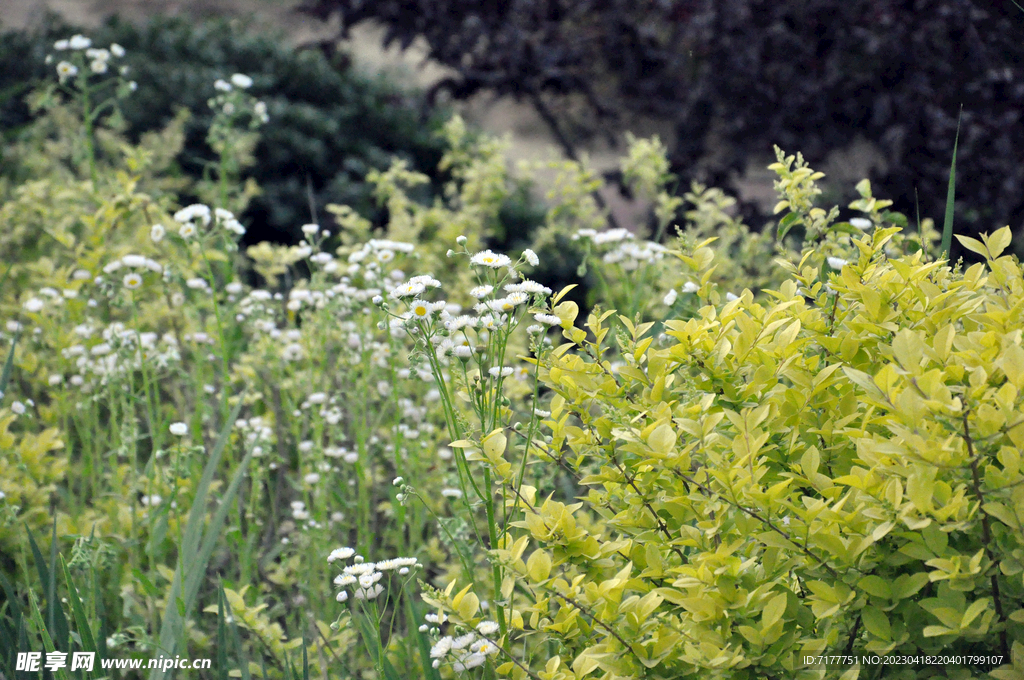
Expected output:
(731, 78)
(330, 124)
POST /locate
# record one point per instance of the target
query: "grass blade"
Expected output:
(222, 638)
(195, 548)
(78, 610)
(305, 661)
(8, 365)
(947, 225)
(58, 624)
(421, 641)
(12, 633)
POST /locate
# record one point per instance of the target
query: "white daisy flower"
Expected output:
(65, 70)
(464, 641)
(156, 233)
(459, 322)
(489, 258)
(503, 371)
(192, 212)
(528, 287)
(419, 309)
(132, 280)
(690, 287)
(441, 648)
(98, 66)
(531, 257)
(837, 262)
(178, 429)
(487, 628)
(34, 304)
(407, 289)
(341, 554)
(670, 298)
(861, 223)
(480, 292)
(241, 80)
(116, 50)
(549, 319)
(369, 593)
(79, 42)
(222, 85)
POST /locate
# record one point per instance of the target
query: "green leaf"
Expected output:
(947, 225)
(662, 440)
(998, 241)
(785, 224)
(875, 585)
(973, 244)
(907, 585)
(876, 622)
(773, 611)
(539, 565)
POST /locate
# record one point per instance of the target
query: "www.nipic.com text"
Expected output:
(53, 661)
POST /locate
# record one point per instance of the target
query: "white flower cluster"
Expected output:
(196, 217)
(631, 255)
(365, 577)
(239, 80)
(672, 295)
(98, 57)
(626, 252)
(256, 434)
(227, 104)
(137, 264)
(377, 252)
(56, 298)
(466, 651)
(117, 354)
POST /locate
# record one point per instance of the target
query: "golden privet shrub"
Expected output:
(833, 470)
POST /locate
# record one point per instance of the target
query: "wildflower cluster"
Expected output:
(466, 651)
(364, 578)
(78, 60)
